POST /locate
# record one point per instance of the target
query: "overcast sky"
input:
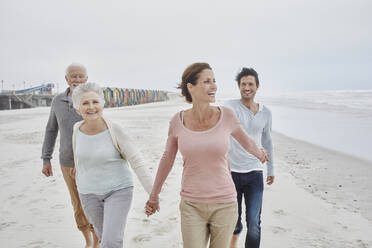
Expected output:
(294, 45)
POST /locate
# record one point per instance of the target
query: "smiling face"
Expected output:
(91, 106)
(76, 75)
(248, 87)
(205, 88)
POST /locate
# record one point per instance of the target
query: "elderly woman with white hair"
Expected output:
(102, 152)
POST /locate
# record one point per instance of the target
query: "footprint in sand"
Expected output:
(19, 163)
(25, 138)
(342, 225)
(52, 182)
(152, 221)
(27, 227)
(58, 206)
(362, 244)
(36, 244)
(161, 231)
(4, 225)
(279, 230)
(55, 221)
(15, 196)
(280, 212)
(7, 184)
(142, 238)
(146, 220)
(35, 211)
(37, 200)
(4, 213)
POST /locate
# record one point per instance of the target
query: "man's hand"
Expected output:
(270, 180)
(265, 156)
(151, 207)
(47, 170)
(73, 172)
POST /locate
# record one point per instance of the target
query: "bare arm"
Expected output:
(165, 165)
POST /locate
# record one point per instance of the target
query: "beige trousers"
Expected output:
(201, 222)
(81, 221)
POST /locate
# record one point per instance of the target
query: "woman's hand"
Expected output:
(151, 207)
(265, 156)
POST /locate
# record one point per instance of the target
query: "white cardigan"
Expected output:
(126, 149)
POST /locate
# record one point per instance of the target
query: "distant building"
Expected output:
(27, 98)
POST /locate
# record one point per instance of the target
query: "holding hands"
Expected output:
(151, 207)
(265, 156)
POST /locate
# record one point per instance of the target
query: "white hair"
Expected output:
(85, 88)
(76, 65)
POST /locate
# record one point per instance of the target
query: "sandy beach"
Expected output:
(320, 198)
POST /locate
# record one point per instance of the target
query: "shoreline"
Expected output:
(333, 151)
(335, 177)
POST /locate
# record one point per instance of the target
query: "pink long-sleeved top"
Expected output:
(206, 176)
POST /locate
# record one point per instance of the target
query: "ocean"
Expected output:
(338, 120)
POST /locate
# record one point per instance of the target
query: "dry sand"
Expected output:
(320, 198)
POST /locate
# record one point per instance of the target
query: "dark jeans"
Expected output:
(251, 186)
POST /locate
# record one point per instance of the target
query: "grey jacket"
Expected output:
(62, 117)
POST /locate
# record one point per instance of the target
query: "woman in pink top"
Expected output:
(208, 198)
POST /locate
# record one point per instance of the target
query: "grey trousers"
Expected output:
(108, 213)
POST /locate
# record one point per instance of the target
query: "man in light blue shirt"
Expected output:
(247, 170)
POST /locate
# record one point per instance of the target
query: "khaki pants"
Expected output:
(81, 221)
(201, 221)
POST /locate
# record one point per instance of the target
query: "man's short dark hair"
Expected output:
(247, 72)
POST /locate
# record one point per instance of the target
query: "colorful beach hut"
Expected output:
(108, 96)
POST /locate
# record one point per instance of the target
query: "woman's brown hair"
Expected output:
(190, 75)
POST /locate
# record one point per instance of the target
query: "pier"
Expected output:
(27, 98)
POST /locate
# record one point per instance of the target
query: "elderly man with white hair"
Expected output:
(62, 118)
